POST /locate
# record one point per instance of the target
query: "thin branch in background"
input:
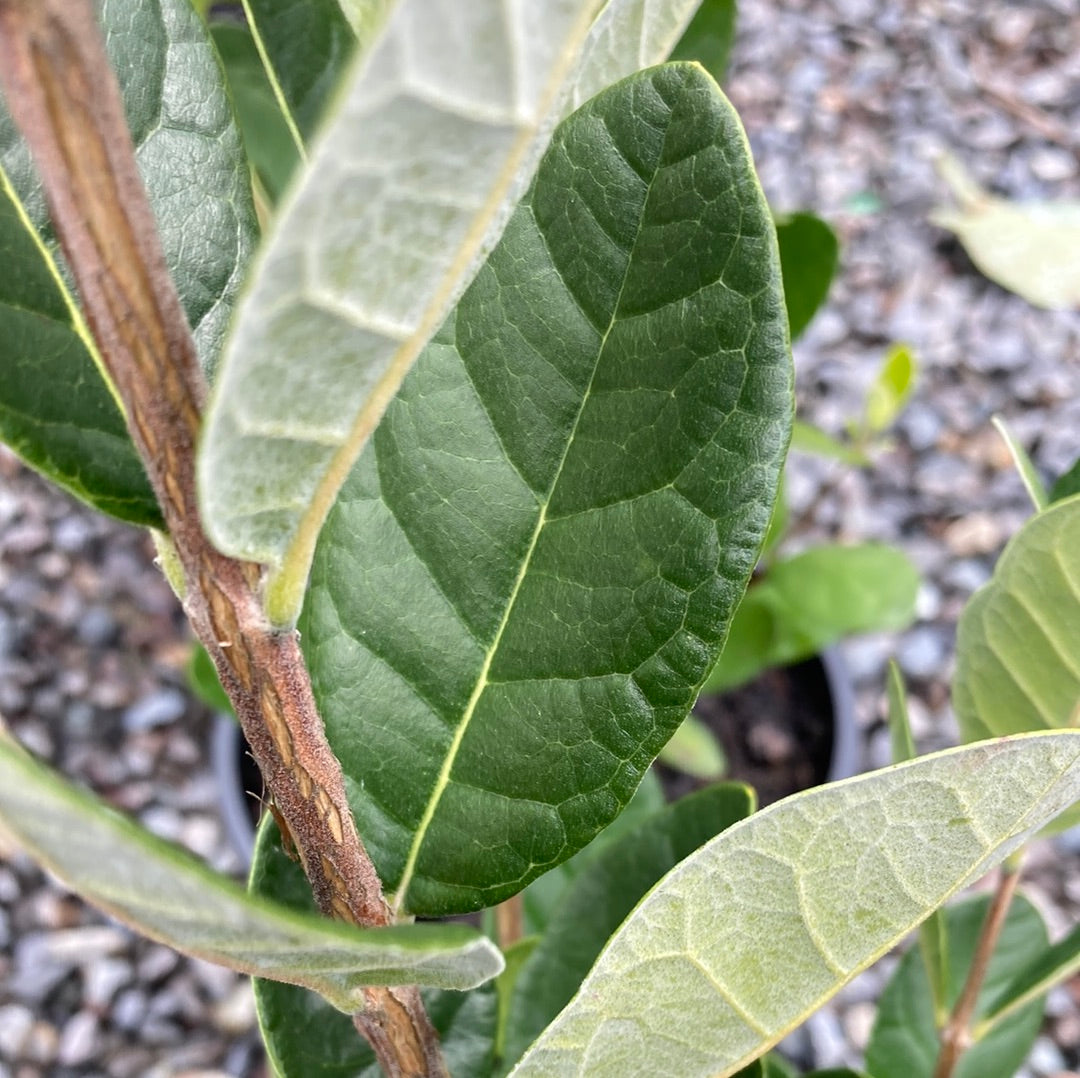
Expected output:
(956, 1034)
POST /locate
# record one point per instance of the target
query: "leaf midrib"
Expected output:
(482, 682)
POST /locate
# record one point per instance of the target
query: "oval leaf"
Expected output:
(77, 437)
(804, 603)
(1016, 665)
(414, 176)
(809, 254)
(189, 153)
(1027, 247)
(191, 159)
(804, 894)
(165, 893)
(530, 572)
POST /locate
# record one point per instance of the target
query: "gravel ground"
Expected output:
(847, 104)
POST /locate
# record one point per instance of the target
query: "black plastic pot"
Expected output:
(751, 723)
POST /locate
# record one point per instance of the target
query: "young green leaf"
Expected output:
(709, 37)
(601, 898)
(1033, 483)
(933, 933)
(1015, 646)
(805, 893)
(306, 47)
(530, 571)
(806, 438)
(1067, 484)
(903, 744)
(267, 137)
(515, 956)
(809, 254)
(432, 141)
(189, 153)
(694, 750)
(891, 389)
(806, 602)
(1041, 971)
(165, 893)
(56, 410)
(1027, 247)
(905, 1041)
(305, 1036)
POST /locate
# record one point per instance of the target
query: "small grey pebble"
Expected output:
(159, 708)
(827, 1039)
(96, 627)
(72, 533)
(102, 979)
(922, 652)
(129, 1010)
(16, 1022)
(1045, 1057)
(158, 962)
(79, 1039)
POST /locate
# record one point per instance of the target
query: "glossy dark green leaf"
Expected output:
(307, 44)
(905, 1044)
(76, 436)
(601, 897)
(529, 572)
(190, 155)
(809, 254)
(709, 37)
(541, 898)
(806, 602)
(267, 137)
(307, 1038)
(1067, 483)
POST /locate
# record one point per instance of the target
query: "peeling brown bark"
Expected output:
(65, 101)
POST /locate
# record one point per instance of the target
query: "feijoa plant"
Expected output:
(494, 439)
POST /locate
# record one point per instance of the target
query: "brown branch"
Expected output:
(67, 104)
(956, 1035)
(510, 921)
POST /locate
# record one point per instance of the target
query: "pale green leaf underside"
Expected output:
(1017, 660)
(803, 895)
(165, 893)
(1026, 247)
(533, 566)
(189, 153)
(409, 184)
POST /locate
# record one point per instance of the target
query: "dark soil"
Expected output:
(777, 733)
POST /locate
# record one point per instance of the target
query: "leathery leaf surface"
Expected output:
(189, 153)
(163, 892)
(803, 895)
(530, 571)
